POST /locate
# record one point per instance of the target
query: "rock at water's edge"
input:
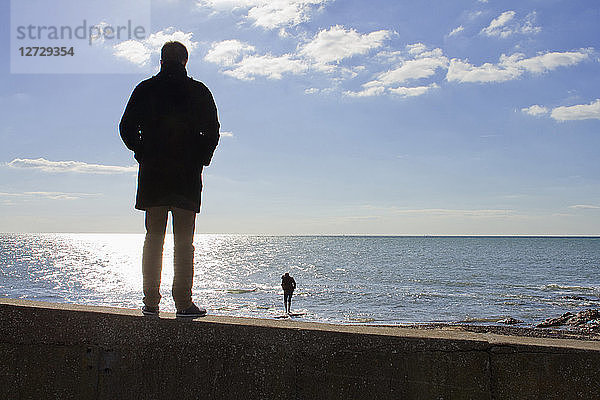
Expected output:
(589, 319)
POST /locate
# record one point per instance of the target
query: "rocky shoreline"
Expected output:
(583, 325)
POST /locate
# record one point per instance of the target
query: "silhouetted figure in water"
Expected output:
(171, 125)
(288, 284)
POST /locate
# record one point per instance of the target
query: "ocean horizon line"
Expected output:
(558, 236)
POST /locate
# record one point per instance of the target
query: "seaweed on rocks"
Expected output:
(587, 320)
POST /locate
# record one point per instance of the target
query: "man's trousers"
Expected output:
(183, 262)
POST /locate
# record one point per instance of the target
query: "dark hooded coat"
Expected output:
(171, 125)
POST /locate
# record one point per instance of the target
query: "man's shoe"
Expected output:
(150, 311)
(192, 311)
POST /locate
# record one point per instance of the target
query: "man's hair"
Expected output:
(174, 51)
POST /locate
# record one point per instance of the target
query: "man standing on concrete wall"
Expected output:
(171, 125)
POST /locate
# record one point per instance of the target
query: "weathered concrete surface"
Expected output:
(78, 352)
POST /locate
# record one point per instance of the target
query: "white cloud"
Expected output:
(158, 39)
(585, 207)
(140, 51)
(577, 112)
(266, 65)
(44, 165)
(567, 113)
(269, 14)
(226, 134)
(390, 57)
(338, 43)
(465, 72)
(96, 37)
(412, 91)
(321, 54)
(498, 25)
(228, 52)
(504, 25)
(133, 51)
(528, 26)
(374, 88)
(549, 61)
(512, 67)
(535, 110)
(456, 30)
(369, 91)
(278, 13)
(46, 195)
(422, 67)
(416, 48)
(462, 71)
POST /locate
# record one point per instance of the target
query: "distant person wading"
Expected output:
(171, 125)
(288, 284)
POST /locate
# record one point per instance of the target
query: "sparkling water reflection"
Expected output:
(340, 279)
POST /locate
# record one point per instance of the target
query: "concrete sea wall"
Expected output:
(62, 351)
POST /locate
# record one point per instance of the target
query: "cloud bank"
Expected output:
(420, 64)
(140, 51)
(228, 52)
(344, 56)
(45, 195)
(268, 14)
(41, 164)
(577, 112)
(337, 43)
(567, 113)
(513, 66)
(320, 53)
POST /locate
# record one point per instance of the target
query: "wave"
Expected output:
(555, 286)
(239, 291)
(579, 298)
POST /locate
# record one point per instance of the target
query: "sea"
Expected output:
(387, 280)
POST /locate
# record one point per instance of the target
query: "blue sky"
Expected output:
(338, 117)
